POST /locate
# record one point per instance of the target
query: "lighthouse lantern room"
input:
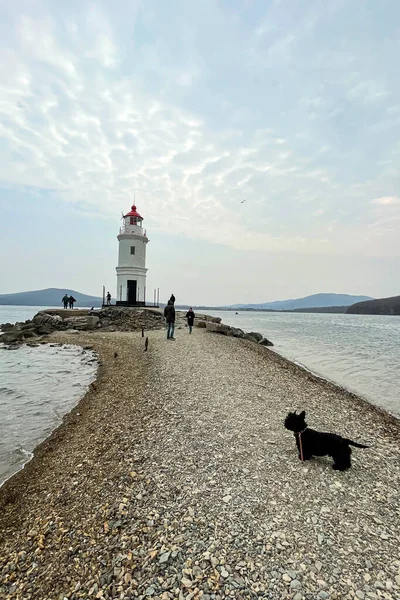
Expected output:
(131, 270)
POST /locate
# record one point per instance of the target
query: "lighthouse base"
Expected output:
(126, 303)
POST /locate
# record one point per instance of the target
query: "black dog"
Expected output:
(315, 443)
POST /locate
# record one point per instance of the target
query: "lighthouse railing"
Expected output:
(129, 229)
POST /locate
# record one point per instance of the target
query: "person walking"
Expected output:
(65, 301)
(71, 301)
(172, 299)
(108, 299)
(190, 319)
(169, 314)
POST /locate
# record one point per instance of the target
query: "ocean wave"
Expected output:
(35, 393)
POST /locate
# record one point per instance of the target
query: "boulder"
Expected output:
(201, 324)
(265, 342)
(53, 321)
(12, 336)
(44, 330)
(77, 323)
(28, 325)
(7, 327)
(236, 332)
(29, 333)
(218, 328)
(250, 337)
(256, 335)
(92, 321)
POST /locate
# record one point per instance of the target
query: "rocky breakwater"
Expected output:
(217, 327)
(107, 319)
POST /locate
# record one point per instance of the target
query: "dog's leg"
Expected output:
(342, 459)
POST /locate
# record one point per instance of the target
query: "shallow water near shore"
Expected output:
(358, 352)
(38, 386)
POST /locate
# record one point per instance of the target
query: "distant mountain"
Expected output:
(49, 297)
(314, 301)
(381, 306)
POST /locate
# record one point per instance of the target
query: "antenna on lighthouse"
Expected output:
(123, 216)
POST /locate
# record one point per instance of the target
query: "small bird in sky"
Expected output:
(242, 201)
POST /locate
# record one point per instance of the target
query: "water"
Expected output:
(17, 314)
(37, 387)
(359, 352)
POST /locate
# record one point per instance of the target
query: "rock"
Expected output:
(79, 323)
(6, 327)
(224, 573)
(150, 591)
(44, 330)
(295, 584)
(236, 332)
(28, 325)
(12, 337)
(298, 596)
(218, 328)
(92, 322)
(256, 335)
(201, 324)
(54, 322)
(265, 342)
(360, 594)
(227, 498)
(164, 557)
(251, 338)
(29, 333)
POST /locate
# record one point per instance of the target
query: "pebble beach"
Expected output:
(175, 478)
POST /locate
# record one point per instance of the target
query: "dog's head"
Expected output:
(295, 422)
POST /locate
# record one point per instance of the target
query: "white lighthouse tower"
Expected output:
(131, 270)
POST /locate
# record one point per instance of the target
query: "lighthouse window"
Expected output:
(132, 249)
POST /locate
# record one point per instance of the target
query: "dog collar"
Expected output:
(300, 432)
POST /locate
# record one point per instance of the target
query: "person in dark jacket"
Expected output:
(190, 319)
(169, 314)
(65, 300)
(108, 299)
(71, 301)
(172, 299)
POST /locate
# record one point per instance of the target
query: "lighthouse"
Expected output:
(131, 270)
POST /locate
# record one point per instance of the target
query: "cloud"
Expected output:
(386, 201)
(97, 105)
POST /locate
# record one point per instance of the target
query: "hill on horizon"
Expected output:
(380, 306)
(313, 301)
(49, 297)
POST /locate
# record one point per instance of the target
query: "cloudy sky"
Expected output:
(193, 106)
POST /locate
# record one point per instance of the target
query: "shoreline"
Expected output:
(69, 418)
(155, 454)
(84, 356)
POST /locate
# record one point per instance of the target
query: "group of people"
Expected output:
(68, 301)
(169, 314)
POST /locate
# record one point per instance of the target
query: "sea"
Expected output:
(39, 385)
(359, 352)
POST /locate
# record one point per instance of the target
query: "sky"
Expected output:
(190, 108)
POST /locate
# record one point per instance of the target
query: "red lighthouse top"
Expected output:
(133, 213)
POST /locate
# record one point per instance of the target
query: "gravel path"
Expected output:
(175, 478)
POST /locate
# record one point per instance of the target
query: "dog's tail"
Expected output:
(351, 443)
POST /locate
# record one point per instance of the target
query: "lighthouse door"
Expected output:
(132, 287)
